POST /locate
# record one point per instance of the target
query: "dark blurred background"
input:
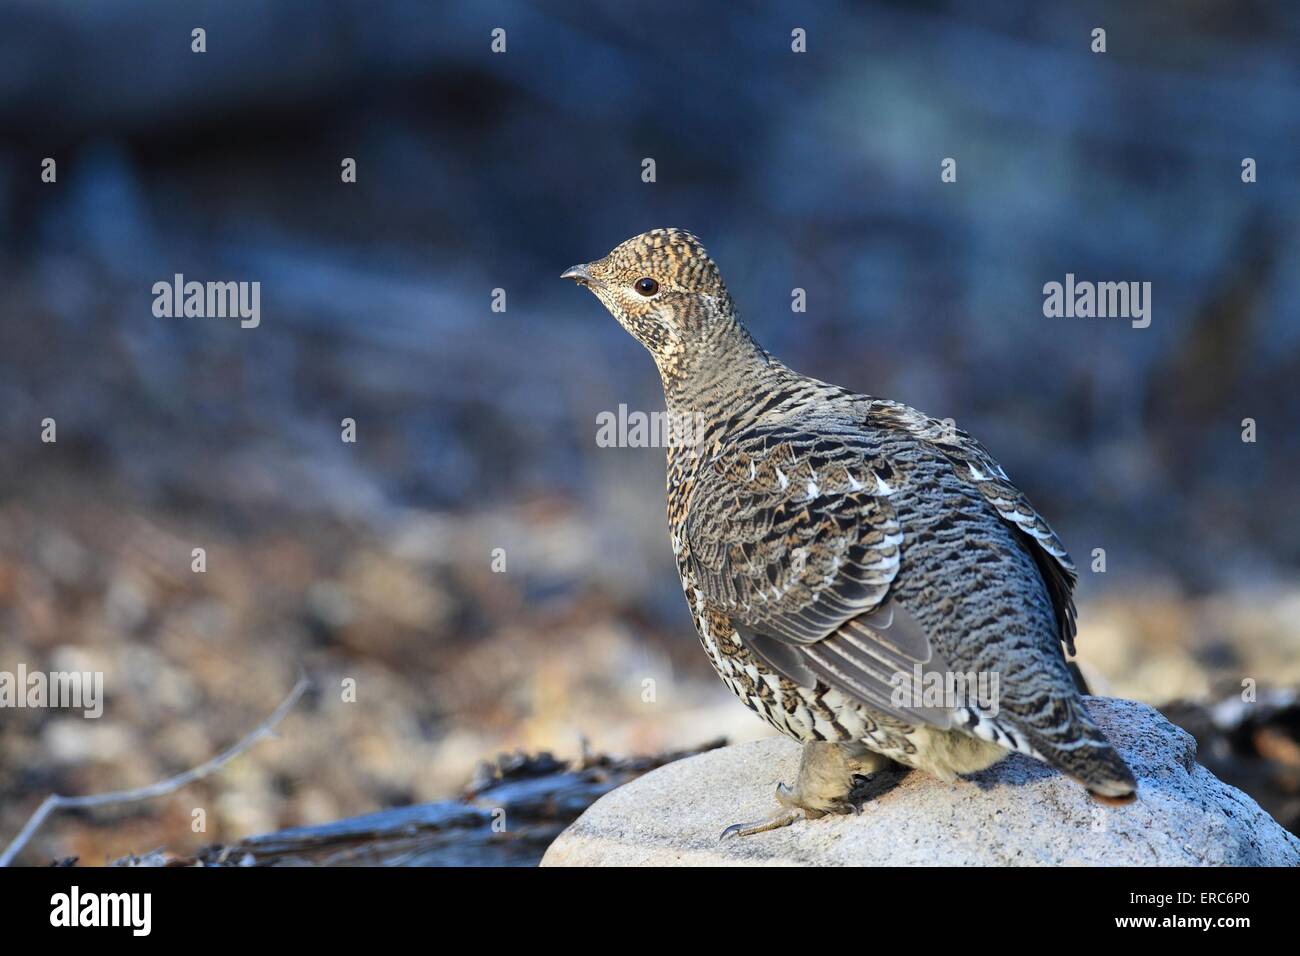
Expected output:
(476, 429)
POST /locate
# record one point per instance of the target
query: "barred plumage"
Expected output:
(829, 542)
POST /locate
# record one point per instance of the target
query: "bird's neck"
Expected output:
(718, 377)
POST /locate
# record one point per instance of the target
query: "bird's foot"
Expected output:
(792, 809)
(825, 785)
(777, 819)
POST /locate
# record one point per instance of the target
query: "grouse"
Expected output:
(861, 575)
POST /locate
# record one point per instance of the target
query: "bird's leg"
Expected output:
(824, 785)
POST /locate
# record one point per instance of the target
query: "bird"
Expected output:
(845, 555)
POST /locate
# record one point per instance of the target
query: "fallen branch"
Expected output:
(170, 785)
(508, 816)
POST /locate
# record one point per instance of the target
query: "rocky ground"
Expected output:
(452, 663)
(1016, 813)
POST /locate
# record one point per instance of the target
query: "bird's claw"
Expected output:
(781, 818)
(820, 790)
(786, 814)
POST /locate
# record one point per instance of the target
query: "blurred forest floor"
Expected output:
(453, 663)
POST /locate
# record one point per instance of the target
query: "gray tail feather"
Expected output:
(1088, 757)
(1112, 776)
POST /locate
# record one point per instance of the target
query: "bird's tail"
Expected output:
(1078, 747)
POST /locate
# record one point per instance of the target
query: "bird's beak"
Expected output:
(578, 274)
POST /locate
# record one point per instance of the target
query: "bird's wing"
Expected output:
(881, 657)
(793, 537)
(974, 465)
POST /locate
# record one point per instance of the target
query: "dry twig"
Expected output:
(170, 785)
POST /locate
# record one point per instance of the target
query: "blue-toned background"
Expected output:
(476, 430)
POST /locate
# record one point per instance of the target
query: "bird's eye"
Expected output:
(647, 286)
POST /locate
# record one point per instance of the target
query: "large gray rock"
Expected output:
(1019, 812)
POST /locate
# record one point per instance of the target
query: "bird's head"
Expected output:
(663, 288)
